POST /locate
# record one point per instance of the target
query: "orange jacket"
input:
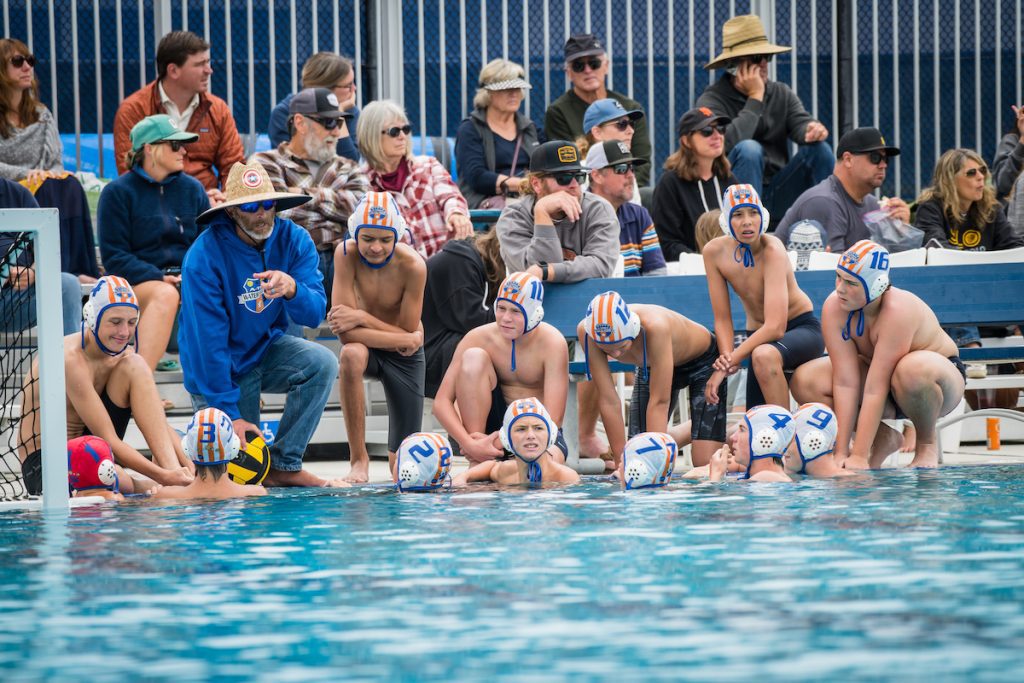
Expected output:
(218, 145)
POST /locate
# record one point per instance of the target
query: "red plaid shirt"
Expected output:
(429, 197)
(336, 188)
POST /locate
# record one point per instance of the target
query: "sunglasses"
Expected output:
(567, 177)
(175, 145)
(757, 59)
(580, 65)
(622, 169)
(621, 124)
(328, 124)
(875, 157)
(395, 131)
(18, 61)
(974, 172)
(708, 131)
(253, 207)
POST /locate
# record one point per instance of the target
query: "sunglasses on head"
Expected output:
(395, 131)
(708, 131)
(253, 207)
(580, 65)
(566, 177)
(621, 124)
(175, 145)
(972, 172)
(18, 61)
(875, 157)
(622, 169)
(328, 124)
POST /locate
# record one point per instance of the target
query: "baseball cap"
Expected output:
(318, 101)
(698, 118)
(158, 128)
(603, 111)
(555, 156)
(582, 45)
(861, 140)
(609, 153)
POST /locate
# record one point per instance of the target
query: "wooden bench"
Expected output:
(990, 294)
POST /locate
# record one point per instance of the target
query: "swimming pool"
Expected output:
(901, 575)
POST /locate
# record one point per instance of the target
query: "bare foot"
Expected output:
(358, 472)
(592, 447)
(299, 478)
(925, 455)
(887, 441)
(856, 463)
(909, 438)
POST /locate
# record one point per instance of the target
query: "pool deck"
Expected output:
(969, 454)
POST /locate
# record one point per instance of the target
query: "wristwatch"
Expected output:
(543, 270)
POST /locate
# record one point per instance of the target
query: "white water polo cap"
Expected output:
(610, 320)
(108, 292)
(376, 210)
(526, 293)
(424, 461)
(648, 460)
(816, 430)
(770, 429)
(210, 438)
(517, 410)
(737, 197)
(868, 262)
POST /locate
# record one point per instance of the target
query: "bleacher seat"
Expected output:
(953, 257)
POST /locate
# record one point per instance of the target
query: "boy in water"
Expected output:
(887, 358)
(514, 357)
(759, 444)
(91, 469)
(670, 352)
(212, 443)
(782, 331)
(648, 461)
(108, 384)
(529, 433)
(815, 440)
(423, 463)
(378, 302)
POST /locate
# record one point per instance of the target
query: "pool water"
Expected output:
(899, 575)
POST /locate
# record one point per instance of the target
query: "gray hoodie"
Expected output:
(579, 250)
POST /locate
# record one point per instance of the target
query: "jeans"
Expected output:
(963, 336)
(811, 164)
(303, 370)
(19, 307)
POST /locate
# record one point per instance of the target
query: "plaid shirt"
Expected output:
(429, 197)
(336, 189)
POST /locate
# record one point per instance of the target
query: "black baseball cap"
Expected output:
(555, 156)
(862, 140)
(317, 102)
(698, 118)
(582, 45)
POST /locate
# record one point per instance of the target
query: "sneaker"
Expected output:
(977, 371)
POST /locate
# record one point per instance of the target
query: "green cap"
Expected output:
(158, 128)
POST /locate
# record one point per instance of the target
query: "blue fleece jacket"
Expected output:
(226, 325)
(146, 225)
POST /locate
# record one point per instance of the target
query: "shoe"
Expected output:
(977, 371)
(168, 365)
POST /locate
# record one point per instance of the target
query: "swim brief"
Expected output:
(957, 363)
(802, 342)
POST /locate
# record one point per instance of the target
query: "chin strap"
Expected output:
(748, 256)
(533, 472)
(860, 324)
(514, 357)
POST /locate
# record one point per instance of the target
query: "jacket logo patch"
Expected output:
(252, 296)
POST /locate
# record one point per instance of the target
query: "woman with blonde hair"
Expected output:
(431, 204)
(696, 177)
(493, 144)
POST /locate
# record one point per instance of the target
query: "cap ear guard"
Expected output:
(210, 438)
(648, 460)
(424, 462)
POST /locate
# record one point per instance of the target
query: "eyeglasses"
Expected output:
(18, 61)
(351, 85)
(175, 145)
(580, 65)
(757, 59)
(874, 157)
(622, 169)
(973, 172)
(621, 124)
(395, 131)
(565, 178)
(253, 207)
(708, 131)
(328, 124)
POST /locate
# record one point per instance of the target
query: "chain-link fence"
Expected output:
(932, 74)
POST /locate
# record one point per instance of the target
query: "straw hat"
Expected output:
(250, 183)
(743, 36)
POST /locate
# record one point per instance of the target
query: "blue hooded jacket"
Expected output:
(226, 325)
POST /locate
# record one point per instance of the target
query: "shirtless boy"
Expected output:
(887, 358)
(108, 384)
(670, 352)
(211, 443)
(811, 451)
(529, 434)
(783, 332)
(759, 444)
(514, 357)
(378, 301)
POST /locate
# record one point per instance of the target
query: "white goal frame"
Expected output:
(44, 227)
